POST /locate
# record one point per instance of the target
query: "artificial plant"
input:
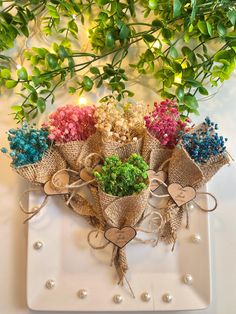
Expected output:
(177, 35)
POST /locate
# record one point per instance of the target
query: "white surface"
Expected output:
(67, 258)
(223, 221)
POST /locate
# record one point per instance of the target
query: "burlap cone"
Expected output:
(184, 170)
(153, 152)
(75, 152)
(119, 212)
(42, 171)
(123, 151)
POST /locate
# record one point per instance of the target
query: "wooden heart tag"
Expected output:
(120, 237)
(181, 195)
(160, 175)
(61, 180)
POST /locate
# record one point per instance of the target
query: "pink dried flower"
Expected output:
(71, 123)
(165, 123)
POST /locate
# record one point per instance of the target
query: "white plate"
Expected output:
(67, 259)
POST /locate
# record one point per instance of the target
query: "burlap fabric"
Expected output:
(172, 216)
(185, 171)
(81, 206)
(75, 152)
(42, 171)
(153, 152)
(119, 212)
(123, 151)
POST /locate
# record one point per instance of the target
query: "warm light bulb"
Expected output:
(82, 101)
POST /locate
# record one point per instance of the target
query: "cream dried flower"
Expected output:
(120, 122)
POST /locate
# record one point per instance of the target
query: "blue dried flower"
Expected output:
(27, 145)
(204, 143)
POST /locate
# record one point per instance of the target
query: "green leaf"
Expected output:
(186, 51)
(16, 108)
(221, 29)
(62, 52)
(87, 83)
(10, 84)
(110, 40)
(34, 97)
(202, 90)
(193, 83)
(166, 33)
(209, 28)
(71, 64)
(177, 8)
(153, 4)
(41, 104)
(190, 101)
(94, 70)
(173, 52)
(22, 74)
(124, 32)
(52, 11)
(149, 38)
(232, 16)
(72, 90)
(202, 26)
(180, 92)
(5, 73)
(157, 24)
(222, 56)
(52, 60)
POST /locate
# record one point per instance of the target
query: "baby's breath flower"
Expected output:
(120, 123)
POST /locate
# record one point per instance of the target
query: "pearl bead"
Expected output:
(37, 245)
(190, 206)
(145, 297)
(82, 293)
(50, 284)
(196, 238)
(167, 298)
(188, 279)
(117, 299)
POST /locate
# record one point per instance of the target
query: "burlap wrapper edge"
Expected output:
(123, 151)
(153, 152)
(185, 171)
(75, 152)
(42, 171)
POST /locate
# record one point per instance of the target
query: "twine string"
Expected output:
(206, 209)
(35, 209)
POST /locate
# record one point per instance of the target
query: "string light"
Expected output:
(82, 101)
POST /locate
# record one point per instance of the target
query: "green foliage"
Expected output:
(175, 35)
(123, 178)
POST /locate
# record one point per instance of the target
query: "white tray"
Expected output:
(67, 259)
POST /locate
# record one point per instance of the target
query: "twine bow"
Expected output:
(56, 184)
(173, 213)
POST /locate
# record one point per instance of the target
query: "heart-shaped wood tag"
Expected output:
(120, 237)
(181, 195)
(61, 180)
(160, 175)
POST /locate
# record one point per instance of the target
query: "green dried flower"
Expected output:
(123, 178)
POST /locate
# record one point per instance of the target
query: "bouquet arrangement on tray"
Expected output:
(123, 155)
